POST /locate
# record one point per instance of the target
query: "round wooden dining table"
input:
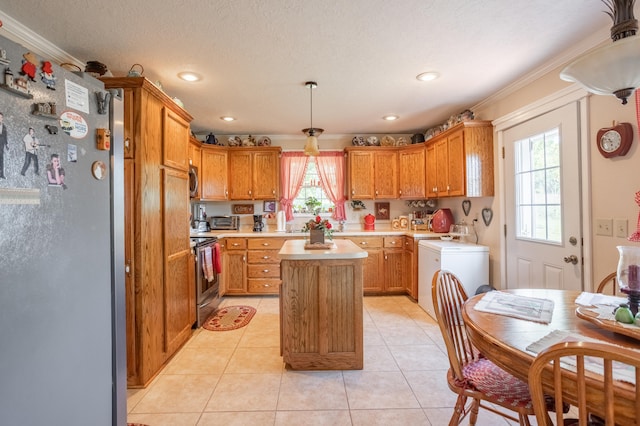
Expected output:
(504, 339)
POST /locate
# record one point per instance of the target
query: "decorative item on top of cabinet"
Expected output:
(460, 161)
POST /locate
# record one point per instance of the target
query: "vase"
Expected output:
(628, 275)
(316, 236)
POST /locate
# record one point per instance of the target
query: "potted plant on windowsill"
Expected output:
(318, 229)
(313, 205)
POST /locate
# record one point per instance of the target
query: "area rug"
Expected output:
(229, 318)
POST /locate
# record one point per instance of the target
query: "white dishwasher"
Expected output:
(469, 262)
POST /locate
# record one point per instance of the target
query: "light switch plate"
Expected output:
(620, 227)
(604, 227)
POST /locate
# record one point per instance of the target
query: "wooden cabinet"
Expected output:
(159, 297)
(460, 161)
(214, 170)
(412, 172)
(394, 266)
(263, 265)
(411, 266)
(235, 266)
(372, 173)
(373, 281)
(195, 155)
(254, 173)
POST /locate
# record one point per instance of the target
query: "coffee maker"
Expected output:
(257, 223)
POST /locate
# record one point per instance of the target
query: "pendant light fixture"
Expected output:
(311, 146)
(613, 69)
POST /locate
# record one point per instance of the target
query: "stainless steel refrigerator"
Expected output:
(62, 344)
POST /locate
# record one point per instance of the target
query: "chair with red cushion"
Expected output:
(475, 379)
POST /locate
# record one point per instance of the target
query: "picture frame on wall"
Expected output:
(382, 211)
(242, 208)
(269, 207)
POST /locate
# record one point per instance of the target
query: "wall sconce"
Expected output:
(613, 69)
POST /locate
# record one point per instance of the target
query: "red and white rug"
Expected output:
(229, 318)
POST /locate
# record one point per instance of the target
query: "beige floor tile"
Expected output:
(313, 418)
(312, 390)
(256, 360)
(378, 389)
(178, 394)
(379, 358)
(269, 305)
(431, 388)
(404, 335)
(194, 360)
(413, 417)
(169, 419)
(134, 396)
(261, 321)
(245, 392)
(255, 338)
(216, 339)
(256, 418)
(240, 300)
(419, 357)
(372, 336)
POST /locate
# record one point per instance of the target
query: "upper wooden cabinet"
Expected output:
(175, 146)
(254, 173)
(460, 161)
(412, 172)
(372, 172)
(213, 172)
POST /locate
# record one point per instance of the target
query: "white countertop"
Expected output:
(348, 233)
(343, 249)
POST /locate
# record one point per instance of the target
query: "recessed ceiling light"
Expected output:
(227, 118)
(189, 76)
(390, 117)
(428, 76)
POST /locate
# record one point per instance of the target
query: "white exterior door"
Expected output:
(542, 201)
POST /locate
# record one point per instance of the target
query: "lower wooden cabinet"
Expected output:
(394, 265)
(251, 266)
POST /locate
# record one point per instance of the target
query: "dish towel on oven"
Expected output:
(207, 264)
(217, 257)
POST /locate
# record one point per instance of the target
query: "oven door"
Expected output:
(207, 287)
(193, 182)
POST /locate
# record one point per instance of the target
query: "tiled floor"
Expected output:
(238, 378)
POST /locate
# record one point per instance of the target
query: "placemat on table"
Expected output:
(517, 306)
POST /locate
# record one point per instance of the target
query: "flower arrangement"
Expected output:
(319, 224)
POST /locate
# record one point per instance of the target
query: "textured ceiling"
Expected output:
(255, 55)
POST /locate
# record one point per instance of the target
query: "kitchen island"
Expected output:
(321, 306)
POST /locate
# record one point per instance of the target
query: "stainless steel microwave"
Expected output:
(193, 181)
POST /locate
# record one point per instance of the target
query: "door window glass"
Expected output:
(538, 187)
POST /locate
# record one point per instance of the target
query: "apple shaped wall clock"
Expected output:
(615, 141)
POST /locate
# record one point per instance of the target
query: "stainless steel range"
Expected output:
(208, 267)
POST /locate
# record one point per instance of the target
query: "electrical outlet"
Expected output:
(604, 227)
(620, 228)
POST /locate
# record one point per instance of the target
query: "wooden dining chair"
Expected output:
(609, 284)
(620, 404)
(470, 375)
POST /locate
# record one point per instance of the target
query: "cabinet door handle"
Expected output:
(266, 285)
(266, 257)
(392, 242)
(363, 243)
(244, 258)
(265, 270)
(235, 244)
(265, 244)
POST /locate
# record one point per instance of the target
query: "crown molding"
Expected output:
(17, 32)
(594, 40)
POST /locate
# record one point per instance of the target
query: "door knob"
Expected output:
(571, 259)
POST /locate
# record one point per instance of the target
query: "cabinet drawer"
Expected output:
(271, 286)
(266, 243)
(263, 256)
(408, 243)
(236, 244)
(368, 242)
(394, 242)
(267, 270)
